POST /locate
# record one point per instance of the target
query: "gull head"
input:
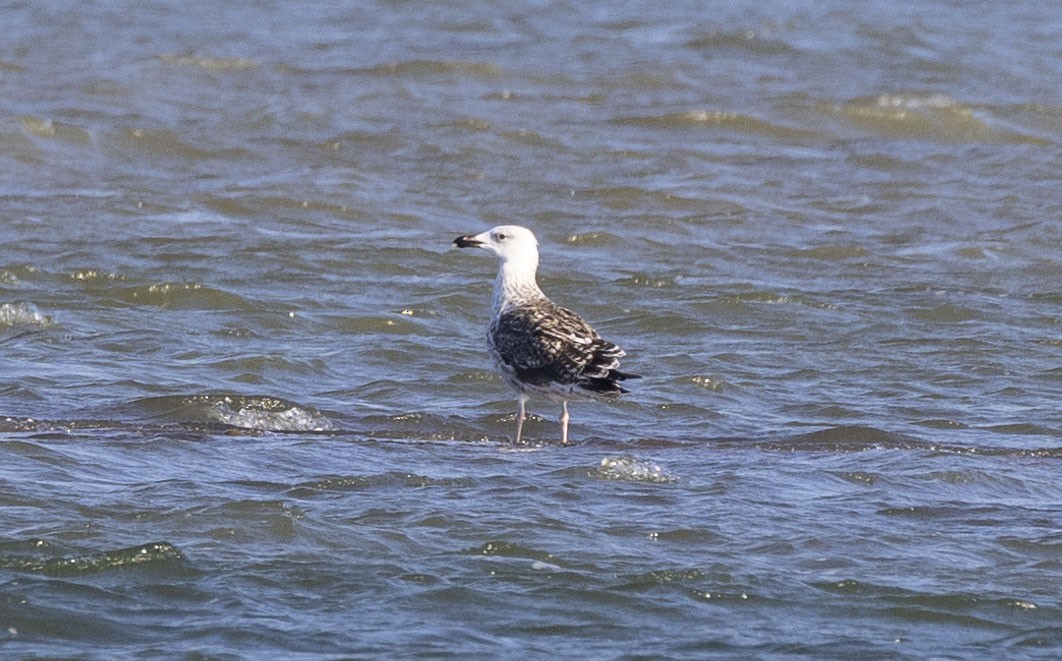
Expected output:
(511, 244)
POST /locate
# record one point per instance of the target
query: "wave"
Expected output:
(421, 68)
(164, 143)
(42, 127)
(713, 119)
(208, 63)
(153, 554)
(743, 41)
(205, 415)
(857, 438)
(257, 412)
(925, 115)
(970, 609)
(181, 296)
(344, 483)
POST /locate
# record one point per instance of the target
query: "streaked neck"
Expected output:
(515, 284)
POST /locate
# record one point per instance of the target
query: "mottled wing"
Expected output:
(546, 344)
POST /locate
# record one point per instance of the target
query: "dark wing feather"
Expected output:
(545, 343)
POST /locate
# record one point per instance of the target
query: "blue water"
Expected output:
(246, 409)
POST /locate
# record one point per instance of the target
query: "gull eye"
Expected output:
(501, 236)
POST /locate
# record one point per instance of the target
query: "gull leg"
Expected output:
(522, 399)
(564, 423)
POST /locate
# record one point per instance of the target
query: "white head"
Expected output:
(515, 246)
(517, 252)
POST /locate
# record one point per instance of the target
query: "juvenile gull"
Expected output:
(539, 347)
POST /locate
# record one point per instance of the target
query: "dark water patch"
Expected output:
(858, 477)
(419, 426)
(977, 610)
(937, 423)
(746, 42)
(154, 554)
(596, 239)
(778, 298)
(255, 206)
(718, 119)
(505, 549)
(665, 589)
(660, 577)
(834, 253)
(848, 438)
(392, 324)
(17, 425)
(209, 63)
(926, 115)
(181, 296)
(1024, 428)
(845, 439)
(432, 68)
(166, 144)
(647, 280)
(989, 517)
(1045, 549)
(625, 197)
(118, 430)
(249, 520)
(51, 628)
(40, 127)
(335, 485)
(946, 313)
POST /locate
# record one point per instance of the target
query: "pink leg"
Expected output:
(564, 423)
(522, 399)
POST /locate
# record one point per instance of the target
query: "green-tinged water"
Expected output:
(246, 409)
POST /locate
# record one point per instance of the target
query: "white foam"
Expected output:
(23, 314)
(632, 469)
(267, 414)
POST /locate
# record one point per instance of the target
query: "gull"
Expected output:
(539, 347)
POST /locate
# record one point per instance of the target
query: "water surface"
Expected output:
(245, 405)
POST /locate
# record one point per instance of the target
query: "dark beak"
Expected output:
(467, 241)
